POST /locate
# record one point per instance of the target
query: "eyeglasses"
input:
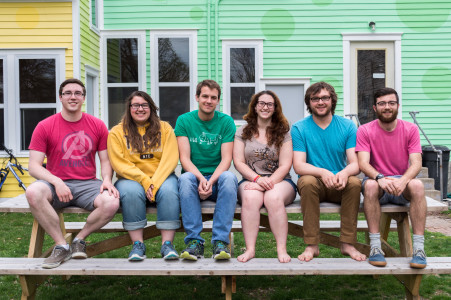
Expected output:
(136, 106)
(77, 94)
(383, 103)
(323, 98)
(262, 104)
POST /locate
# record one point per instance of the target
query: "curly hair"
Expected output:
(152, 137)
(315, 89)
(275, 133)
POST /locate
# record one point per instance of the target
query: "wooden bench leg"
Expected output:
(29, 285)
(36, 240)
(228, 286)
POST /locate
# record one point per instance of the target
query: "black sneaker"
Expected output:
(79, 249)
(194, 250)
(58, 256)
(220, 250)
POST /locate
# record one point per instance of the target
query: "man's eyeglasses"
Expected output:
(136, 106)
(77, 94)
(390, 103)
(262, 104)
(323, 98)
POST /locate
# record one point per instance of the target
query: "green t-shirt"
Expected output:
(205, 138)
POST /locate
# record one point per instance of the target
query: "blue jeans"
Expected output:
(134, 202)
(223, 192)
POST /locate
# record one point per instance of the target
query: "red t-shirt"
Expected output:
(70, 147)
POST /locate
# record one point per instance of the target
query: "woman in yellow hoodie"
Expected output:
(143, 151)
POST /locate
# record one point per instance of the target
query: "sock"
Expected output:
(66, 246)
(418, 242)
(375, 240)
(75, 239)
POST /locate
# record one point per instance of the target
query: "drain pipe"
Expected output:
(439, 152)
(216, 40)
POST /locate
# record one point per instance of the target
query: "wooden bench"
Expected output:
(399, 215)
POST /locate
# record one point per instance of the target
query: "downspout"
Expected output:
(216, 40)
(209, 37)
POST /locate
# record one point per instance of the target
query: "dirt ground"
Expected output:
(439, 222)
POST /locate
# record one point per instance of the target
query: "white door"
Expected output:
(372, 68)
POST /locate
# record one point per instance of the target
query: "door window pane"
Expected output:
(176, 102)
(240, 98)
(29, 118)
(116, 103)
(173, 59)
(122, 60)
(37, 80)
(370, 77)
(242, 65)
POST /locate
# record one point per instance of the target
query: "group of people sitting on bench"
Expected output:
(327, 152)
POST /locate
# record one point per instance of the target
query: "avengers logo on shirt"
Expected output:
(76, 147)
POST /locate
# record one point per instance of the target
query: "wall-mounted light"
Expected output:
(372, 26)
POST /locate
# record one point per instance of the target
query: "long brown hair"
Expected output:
(152, 137)
(275, 133)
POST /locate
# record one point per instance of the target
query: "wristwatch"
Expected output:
(379, 176)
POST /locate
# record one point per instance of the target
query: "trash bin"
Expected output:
(432, 162)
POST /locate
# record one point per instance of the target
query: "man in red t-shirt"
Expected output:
(70, 140)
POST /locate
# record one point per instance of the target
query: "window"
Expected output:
(30, 95)
(242, 69)
(124, 68)
(174, 73)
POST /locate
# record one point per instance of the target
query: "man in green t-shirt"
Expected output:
(205, 139)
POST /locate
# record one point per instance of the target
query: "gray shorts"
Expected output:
(386, 197)
(84, 193)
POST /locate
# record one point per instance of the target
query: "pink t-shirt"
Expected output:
(389, 151)
(70, 147)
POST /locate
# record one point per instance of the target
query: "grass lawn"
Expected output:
(15, 235)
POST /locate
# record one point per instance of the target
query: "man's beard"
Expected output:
(383, 119)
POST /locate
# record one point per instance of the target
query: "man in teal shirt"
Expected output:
(322, 143)
(205, 139)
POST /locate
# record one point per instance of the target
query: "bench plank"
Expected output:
(20, 204)
(210, 267)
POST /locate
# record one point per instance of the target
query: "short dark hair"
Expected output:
(315, 89)
(71, 80)
(210, 84)
(385, 91)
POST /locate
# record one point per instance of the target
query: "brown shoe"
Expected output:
(79, 249)
(58, 256)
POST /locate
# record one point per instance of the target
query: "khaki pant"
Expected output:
(313, 191)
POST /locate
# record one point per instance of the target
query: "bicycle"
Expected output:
(12, 163)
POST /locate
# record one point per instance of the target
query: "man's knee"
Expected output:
(415, 188)
(187, 177)
(228, 177)
(38, 192)
(371, 189)
(307, 182)
(107, 203)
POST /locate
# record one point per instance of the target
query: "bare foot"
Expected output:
(309, 252)
(246, 256)
(348, 249)
(283, 257)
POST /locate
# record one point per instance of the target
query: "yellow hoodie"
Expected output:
(149, 168)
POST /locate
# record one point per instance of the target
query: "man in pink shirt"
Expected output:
(70, 140)
(389, 154)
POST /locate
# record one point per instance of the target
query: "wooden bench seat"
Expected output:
(210, 267)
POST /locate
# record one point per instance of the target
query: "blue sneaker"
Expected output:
(220, 250)
(377, 257)
(168, 252)
(418, 259)
(138, 252)
(194, 250)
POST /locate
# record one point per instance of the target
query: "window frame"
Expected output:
(121, 34)
(12, 90)
(155, 84)
(94, 27)
(228, 44)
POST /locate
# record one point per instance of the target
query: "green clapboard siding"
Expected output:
(304, 39)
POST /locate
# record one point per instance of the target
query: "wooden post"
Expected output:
(36, 240)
